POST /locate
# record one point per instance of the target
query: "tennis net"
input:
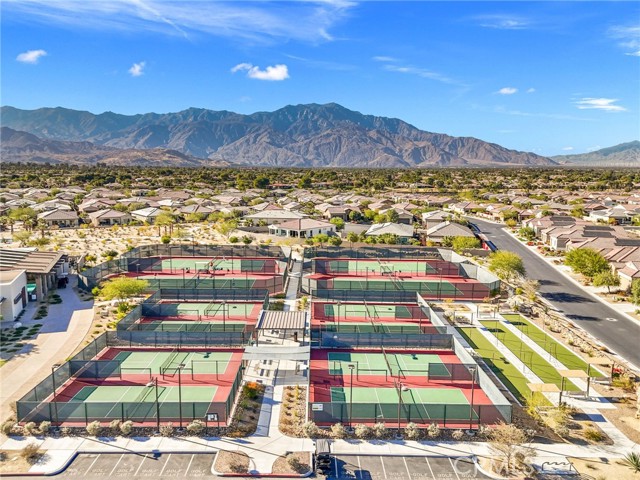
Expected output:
(168, 361)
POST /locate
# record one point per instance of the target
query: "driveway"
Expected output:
(382, 467)
(605, 323)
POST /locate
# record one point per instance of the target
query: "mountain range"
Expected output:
(622, 155)
(294, 136)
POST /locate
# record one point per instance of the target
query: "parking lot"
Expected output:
(93, 466)
(374, 467)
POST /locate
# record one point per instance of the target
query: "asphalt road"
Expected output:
(605, 323)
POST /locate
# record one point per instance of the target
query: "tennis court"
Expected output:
(362, 327)
(393, 364)
(419, 267)
(198, 310)
(427, 287)
(195, 326)
(195, 264)
(364, 310)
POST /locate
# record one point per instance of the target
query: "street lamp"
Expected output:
(54, 367)
(180, 367)
(351, 367)
(224, 328)
(154, 383)
(403, 388)
(473, 371)
(338, 316)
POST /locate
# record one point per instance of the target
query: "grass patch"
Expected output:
(546, 342)
(543, 369)
(512, 378)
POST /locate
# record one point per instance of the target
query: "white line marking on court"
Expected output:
(384, 470)
(429, 465)
(91, 466)
(404, 459)
(189, 466)
(144, 457)
(116, 465)
(164, 466)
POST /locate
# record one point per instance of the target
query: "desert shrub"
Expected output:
(251, 390)
(167, 430)
(310, 429)
(338, 431)
(457, 435)
(295, 464)
(433, 430)
(31, 452)
(483, 431)
(380, 430)
(44, 427)
(126, 427)
(196, 427)
(94, 428)
(362, 431)
(30, 428)
(65, 431)
(7, 426)
(412, 431)
(114, 426)
(593, 434)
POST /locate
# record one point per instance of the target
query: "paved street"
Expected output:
(614, 330)
(375, 467)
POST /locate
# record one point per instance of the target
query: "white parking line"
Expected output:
(144, 457)
(404, 459)
(453, 467)
(164, 466)
(335, 463)
(429, 465)
(116, 465)
(189, 466)
(91, 466)
(384, 470)
(359, 467)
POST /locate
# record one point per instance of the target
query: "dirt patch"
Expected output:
(12, 461)
(292, 464)
(247, 413)
(599, 468)
(293, 410)
(231, 462)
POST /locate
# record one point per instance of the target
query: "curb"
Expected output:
(265, 475)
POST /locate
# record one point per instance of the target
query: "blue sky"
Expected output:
(547, 77)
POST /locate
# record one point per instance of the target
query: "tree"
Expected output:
(22, 236)
(246, 239)
(166, 220)
(121, 288)
(356, 216)
(338, 222)
(606, 279)
(261, 182)
(530, 289)
(635, 291)
(335, 241)
(527, 233)
(463, 243)
(321, 238)
(305, 182)
(507, 439)
(506, 265)
(352, 237)
(392, 216)
(586, 261)
(225, 227)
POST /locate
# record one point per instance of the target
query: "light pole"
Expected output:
(180, 367)
(154, 383)
(351, 367)
(338, 316)
(183, 278)
(473, 371)
(224, 323)
(54, 367)
(403, 388)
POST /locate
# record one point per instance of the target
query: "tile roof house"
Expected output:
(108, 216)
(447, 229)
(60, 218)
(628, 273)
(147, 214)
(404, 232)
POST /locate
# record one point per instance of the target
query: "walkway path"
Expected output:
(63, 330)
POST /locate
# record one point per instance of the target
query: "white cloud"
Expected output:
(422, 72)
(567, 149)
(31, 56)
(271, 73)
(531, 90)
(137, 69)
(507, 91)
(309, 20)
(628, 37)
(503, 22)
(606, 104)
(595, 147)
(382, 58)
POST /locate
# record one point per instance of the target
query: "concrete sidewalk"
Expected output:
(64, 328)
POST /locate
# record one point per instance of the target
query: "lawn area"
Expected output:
(512, 378)
(543, 369)
(546, 342)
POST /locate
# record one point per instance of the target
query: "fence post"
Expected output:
(86, 414)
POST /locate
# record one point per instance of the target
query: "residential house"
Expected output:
(108, 217)
(628, 273)
(273, 217)
(435, 217)
(302, 228)
(445, 230)
(147, 214)
(60, 218)
(94, 204)
(618, 215)
(403, 232)
(404, 216)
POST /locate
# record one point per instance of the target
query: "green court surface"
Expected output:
(381, 266)
(142, 393)
(232, 264)
(545, 371)
(359, 327)
(435, 287)
(364, 311)
(213, 309)
(159, 362)
(390, 395)
(551, 345)
(173, 326)
(406, 364)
